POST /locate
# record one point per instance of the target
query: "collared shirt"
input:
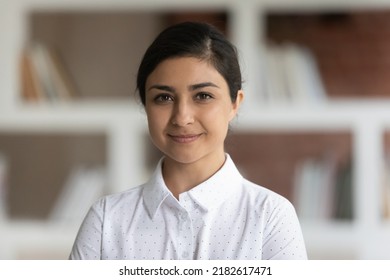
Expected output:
(225, 217)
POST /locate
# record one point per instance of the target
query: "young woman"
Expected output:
(196, 205)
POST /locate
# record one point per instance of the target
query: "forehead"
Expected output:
(185, 70)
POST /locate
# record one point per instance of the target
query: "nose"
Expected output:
(182, 114)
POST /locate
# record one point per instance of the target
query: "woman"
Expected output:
(196, 205)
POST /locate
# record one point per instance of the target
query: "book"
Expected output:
(65, 88)
(3, 187)
(41, 65)
(302, 75)
(386, 188)
(44, 76)
(344, 194)
(292, 75)
(275, 85)
(314, 188)
(30, 83)
(306, 189)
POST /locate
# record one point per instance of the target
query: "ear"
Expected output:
(236, 104)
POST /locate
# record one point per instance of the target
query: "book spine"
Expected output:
(3, 187)
(43, 75)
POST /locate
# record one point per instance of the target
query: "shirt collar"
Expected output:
(208, 195)
(155, 191)
(215, 190)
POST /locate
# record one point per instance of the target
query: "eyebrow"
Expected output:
(202, 85)
(162, 87)
(191, 87)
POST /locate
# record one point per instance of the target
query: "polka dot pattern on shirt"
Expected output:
(225, 217)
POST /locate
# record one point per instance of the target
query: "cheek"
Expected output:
(158, 120)
(154, 122)
(222, 112)
(218, 117)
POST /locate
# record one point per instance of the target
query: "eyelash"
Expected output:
(203, 96)
(165, 97)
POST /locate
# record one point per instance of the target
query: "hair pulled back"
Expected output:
(192, 39)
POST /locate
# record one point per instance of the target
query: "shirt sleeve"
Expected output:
(283, 239)
(87, 245)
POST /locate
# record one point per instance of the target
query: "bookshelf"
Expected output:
(107, 114)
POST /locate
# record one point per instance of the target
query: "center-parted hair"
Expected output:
(192, 39)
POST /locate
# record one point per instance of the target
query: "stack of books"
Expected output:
(44, 76)
(291, 76)
(323, 189)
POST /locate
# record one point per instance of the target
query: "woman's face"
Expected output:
(188, 107)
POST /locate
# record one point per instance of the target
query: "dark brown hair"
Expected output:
(192, 39)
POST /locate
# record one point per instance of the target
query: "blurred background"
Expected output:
(315, 125)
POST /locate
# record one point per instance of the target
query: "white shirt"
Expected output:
(225, 217)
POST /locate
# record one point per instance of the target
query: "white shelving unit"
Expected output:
(124, 124)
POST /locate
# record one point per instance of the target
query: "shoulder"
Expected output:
(264, 198)
(119, 200)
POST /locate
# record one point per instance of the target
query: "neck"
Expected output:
(181, 177)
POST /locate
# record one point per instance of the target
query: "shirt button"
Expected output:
(182, 217)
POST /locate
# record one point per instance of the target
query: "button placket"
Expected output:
(184, 244)
(182, 221)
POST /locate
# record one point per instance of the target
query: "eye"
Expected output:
(204, 96)
(163, 98)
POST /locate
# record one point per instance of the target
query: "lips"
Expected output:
(188, 138)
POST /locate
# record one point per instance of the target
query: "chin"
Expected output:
(183, 158)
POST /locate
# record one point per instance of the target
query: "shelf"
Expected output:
(331, 240)
(310, 6)
(204, 4)
(74, 116)
(97, 116)
(101, 65)
(278, 161)
(109, 109)
(36, 183)
(333, 115)
(31, 239)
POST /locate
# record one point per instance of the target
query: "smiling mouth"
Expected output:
(184, 138)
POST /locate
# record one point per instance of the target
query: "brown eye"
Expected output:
(203, 96)
(163, 98)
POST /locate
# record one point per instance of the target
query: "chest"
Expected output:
(185, 235)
